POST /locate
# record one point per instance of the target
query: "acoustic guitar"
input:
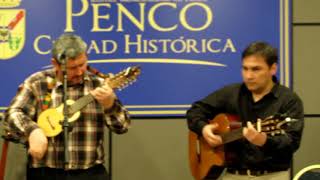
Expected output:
(202, 157)
(50, 120)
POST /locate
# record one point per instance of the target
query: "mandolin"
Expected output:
(50, 120)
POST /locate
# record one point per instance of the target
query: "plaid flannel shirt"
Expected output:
(85, 143)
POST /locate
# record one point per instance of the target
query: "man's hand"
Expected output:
(104, 95)
(38, 144)
(212, 139)
(253, 136)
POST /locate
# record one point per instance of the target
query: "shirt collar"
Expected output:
(275, 90)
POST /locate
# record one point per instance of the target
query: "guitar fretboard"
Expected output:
(232, 136)
(83, 101)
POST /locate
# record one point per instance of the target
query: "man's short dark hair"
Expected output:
(262, 49)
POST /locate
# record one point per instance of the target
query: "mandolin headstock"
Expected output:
(124, 78)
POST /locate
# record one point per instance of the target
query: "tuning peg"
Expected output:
(288, 119)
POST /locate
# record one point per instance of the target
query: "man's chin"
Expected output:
(251, 88)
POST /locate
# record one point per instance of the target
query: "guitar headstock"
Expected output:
(124, 78)
(274, 126)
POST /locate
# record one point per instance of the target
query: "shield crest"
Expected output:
(12, 32)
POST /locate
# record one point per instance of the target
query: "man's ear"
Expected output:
(274, 68)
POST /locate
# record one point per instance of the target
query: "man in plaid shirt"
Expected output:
(44, 90)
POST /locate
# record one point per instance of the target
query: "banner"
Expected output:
(185, 48)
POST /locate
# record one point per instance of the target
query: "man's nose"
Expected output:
(79, 71)
(249, 75)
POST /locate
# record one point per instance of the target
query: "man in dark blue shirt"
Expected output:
(260, 96)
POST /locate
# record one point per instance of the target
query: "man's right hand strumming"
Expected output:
(208, 134)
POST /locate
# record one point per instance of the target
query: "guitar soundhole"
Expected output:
(50, 123)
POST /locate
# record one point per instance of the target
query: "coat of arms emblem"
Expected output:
(12, 29)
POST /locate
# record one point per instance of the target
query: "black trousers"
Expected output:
(214, 173)
(97, 172)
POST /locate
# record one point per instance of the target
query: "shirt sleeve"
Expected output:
(20, 115)
(117, 118)
(288, 142)
(204, 110)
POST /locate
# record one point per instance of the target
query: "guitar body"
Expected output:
(50, 120)
(202, 157)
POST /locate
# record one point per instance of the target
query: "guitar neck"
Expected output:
(83, 101)
(80, 103)
(232, 136)
(118, 81)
